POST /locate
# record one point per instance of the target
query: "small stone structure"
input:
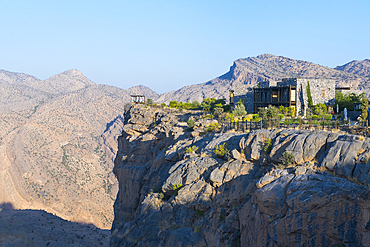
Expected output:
(322, 91)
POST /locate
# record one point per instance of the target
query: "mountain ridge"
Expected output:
(251, 70)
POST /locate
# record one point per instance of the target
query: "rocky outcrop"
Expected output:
(247, 197)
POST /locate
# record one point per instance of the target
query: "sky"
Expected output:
(168, 44)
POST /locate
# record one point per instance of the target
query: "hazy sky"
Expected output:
(169, 44)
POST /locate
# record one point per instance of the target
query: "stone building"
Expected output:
(288, 92)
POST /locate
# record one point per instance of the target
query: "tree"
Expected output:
(320, 109)
(364, 109)
(239, 110)
(348, 100)
(309, 96)
(270, 112)
(173, 104)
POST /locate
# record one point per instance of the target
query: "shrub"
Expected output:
(176, 187)
(191, 125)
(328, 116)
(269, 112)
(287, 159)
(315, 117)
(192, 149)
(149, 102)
(173, 104)
(221, 150)
(218, 111)
(213, 127)
(268, 146)
(239, 110)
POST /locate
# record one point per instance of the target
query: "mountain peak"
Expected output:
(72, 72)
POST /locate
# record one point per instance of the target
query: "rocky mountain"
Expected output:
(58, 142)
(361, 68)
(252, 70)
(170, 196)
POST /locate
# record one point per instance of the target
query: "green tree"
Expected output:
(364, 109)
(320, 109)
(309, 97)
(269, 112)
(348, 100)
(173, 104)
(239, 110)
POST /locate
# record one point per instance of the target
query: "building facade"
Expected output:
(289, 92)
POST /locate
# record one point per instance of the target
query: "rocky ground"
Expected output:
(172, 197)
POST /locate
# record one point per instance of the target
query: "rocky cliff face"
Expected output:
(170, 197)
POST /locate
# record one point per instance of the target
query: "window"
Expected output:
(292, 95)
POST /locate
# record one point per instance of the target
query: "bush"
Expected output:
(221, 150)
(287, 159)
(192, 149)
(315, 117)
(213, 127)
(268, 146)
(191, 125)
(328, 116)
(218, 111)
(176, 187)
(239, 110)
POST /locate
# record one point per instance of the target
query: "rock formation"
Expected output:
(170, 195)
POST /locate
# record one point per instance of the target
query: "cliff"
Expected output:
(172, 197)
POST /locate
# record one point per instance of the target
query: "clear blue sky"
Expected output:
(169, 44)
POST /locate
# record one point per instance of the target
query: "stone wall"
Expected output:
(244, 92)
(322, 91)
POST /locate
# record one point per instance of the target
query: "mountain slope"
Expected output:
(361, 68)
(251, 70)
(58, 142)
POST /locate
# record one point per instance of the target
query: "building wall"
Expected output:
(322, 91)
(244, 92)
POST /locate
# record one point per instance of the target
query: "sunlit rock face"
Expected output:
(170, 195)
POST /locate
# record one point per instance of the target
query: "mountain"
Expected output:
(252, 70)
(361, 68)
(58, 142)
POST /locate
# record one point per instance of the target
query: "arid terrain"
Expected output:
(58, 142)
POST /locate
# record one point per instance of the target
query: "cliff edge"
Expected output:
(174, 191)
